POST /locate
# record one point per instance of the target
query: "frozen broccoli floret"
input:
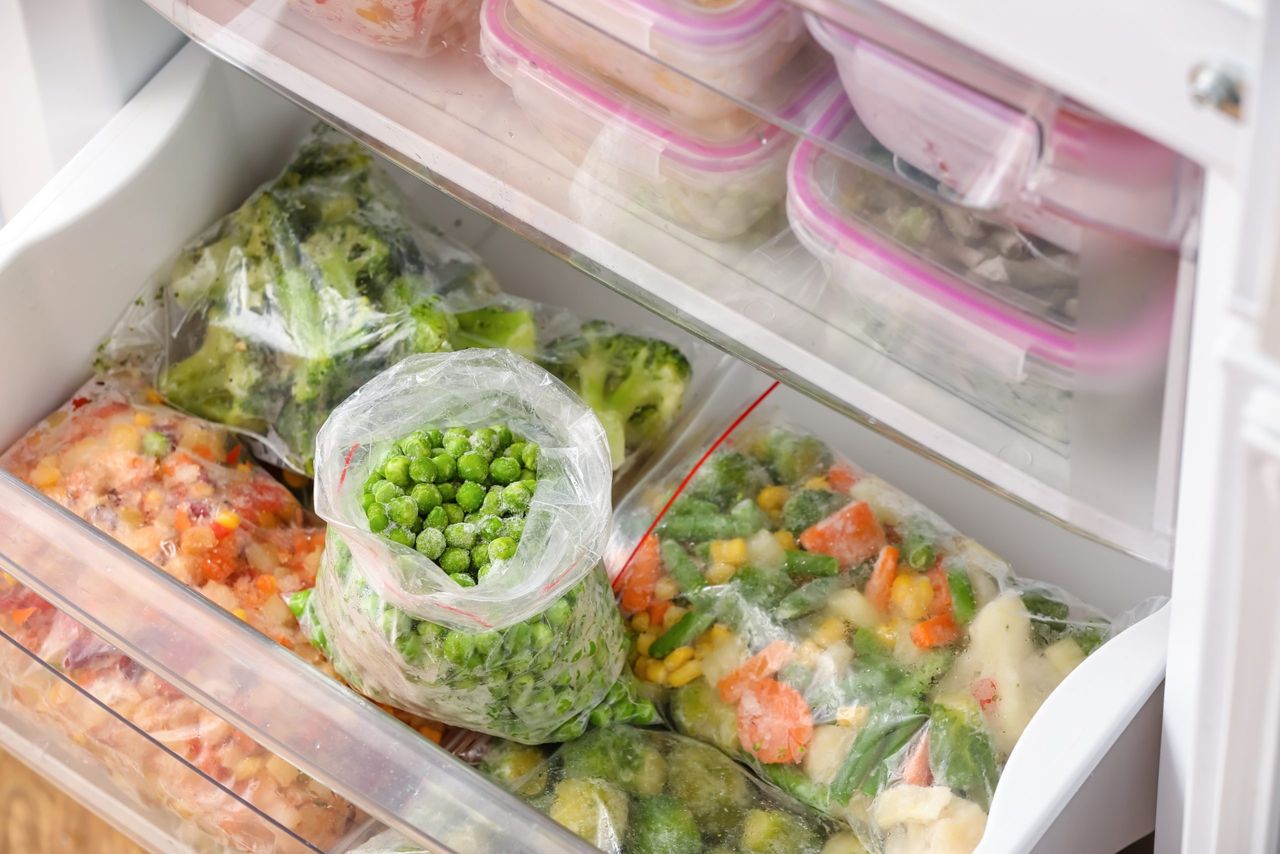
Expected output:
(663, 824)
(217, 381)
(777, 832)
(698, 711)
(517, 767)
(961, 754)
(806, 507)
(635, 385)
(497, 326)
(348, 256)
(593, 809)
(619, 755)
(793, 456)
(710, 783)
(727, 478)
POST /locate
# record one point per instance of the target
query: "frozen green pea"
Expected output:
(528, 479)
(403, 511)
(461, 535)
(386, 490)
(409, 646)
(486, 642)
(456, 446)
(505, 436)
(456, 514)
(485, 440)
(513, 527)
(492, 504)
(366, 501)
(427, 496)
(558, 614)
(489, 527)
(541, 636)
(516, 497)
(470, 496)
(422, 470)
(457, 647)
(437, 518)
(446, 466)
(448, 491)
(416, 448)
(480, 554)
(431, 542)
(474, 467)
(455, 433)
(433, 436)
(515, 451)
(530, 456)
(403, 536)
(395, 622)
(155, 443)
(504, 470)
(396, 470)
(378, 519)
(454, 560)
(503, 548)
(462, 579)
(483, 570)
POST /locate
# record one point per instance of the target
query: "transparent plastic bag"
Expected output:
(288, 304)
(536, 643)
(841, 638)
(635, 791)
(418, 27)
(182, 494)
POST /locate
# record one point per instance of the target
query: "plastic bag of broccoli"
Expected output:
(813, 621)
(468, 500)
(633, 791)
(288, 304)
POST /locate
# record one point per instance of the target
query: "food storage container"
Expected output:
(976, 306)
(713, 184)
(734, 48)
(403, 26)
(1050, 170)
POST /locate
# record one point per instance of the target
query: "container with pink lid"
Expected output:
(980, 308)
(1053, 168)
(655, 47)
(713, 178)
(405, 26)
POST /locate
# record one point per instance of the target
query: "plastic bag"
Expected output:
(536, 644)
(819, 624)
(634, 791)
(182, 494)
(418, 27)
(316, 283)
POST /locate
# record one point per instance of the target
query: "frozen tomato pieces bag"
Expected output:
(845, 641)
(418, 27)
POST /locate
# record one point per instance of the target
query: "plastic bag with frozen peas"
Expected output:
(634, 791)
(844, 640)
(468, 502)
(288, 304)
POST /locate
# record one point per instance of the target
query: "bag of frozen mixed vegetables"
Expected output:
(468, 501)
(857, 651)
(641, 791)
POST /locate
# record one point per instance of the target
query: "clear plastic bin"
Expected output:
(714, 183)
(416, 27)
(997, 325)
(1050, 169)
(733, 47)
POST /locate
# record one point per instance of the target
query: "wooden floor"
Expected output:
(36, 818)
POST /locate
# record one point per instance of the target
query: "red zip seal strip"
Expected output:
(617, 582)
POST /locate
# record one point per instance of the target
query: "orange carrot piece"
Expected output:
(941, 603)
(850, 535)
(775, 724)
(657, 611)
(641, 576)
(762, 665)
(915, 768)
(881, 582)
(21, 615)
(935, 631)
(841, 478)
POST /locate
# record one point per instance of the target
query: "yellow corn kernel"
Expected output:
(808, 653)
(142, 419)
(153, 396)
(673, 615)
(911, 596)
(772, 497)
(241, 613)
(666, 589)
(641, 667)
(655, 672)
(45, 475)
(720, 572)
(645, 641)
(640, 622)
(786, 539)
(123, 436)
(131, 516)
(831, 630)
(685, 673)
(678, 656)
(729, 551)
(197, 540)
(719, 632)
(852, 716)
(817, 483)
(887, 633)
(228, 519)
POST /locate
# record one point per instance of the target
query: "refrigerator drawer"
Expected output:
(192, 144)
